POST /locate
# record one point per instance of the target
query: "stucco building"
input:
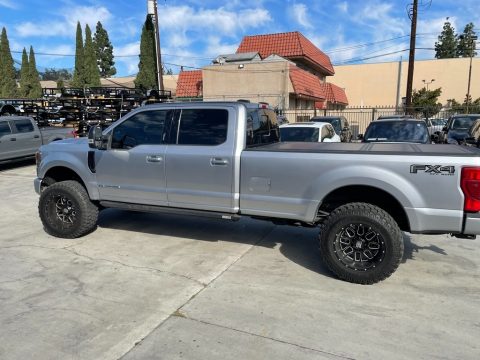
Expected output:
(286, 70)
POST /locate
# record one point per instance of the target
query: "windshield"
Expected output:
(334, 121)
(439, 122)
(299, 134)
(397, 131)
(462, 123)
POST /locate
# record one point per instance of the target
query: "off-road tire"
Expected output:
(336, 247)
(80, 217)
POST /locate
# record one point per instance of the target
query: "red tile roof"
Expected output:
(190, 84)
(334, 94)
(288, 45)
(305, 83)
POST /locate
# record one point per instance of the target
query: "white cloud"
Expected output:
(66, 27)
(343, 6)
(215, 47)
(8, 4)
(299, 13)
(131, 51)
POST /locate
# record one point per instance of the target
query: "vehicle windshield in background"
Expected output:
(439, 122)
(397, 131)
(299, 134)
(335, 123)
(462, 123)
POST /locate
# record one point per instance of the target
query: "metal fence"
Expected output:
(360, 117)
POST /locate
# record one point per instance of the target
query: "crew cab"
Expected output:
(20, 137)
(225, 160)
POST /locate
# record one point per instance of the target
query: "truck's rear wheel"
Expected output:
(66, 210)
(361, 243)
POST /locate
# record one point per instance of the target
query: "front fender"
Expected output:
(77, 165)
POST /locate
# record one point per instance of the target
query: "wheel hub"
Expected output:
(65, 210)
(359, 246)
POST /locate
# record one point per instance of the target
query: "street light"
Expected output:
(428, 82)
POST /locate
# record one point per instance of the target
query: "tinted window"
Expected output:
(462, 122)
(262, 127)
(4, 128)
(203, 127)
(299, 134)
(397, 131)
(143, 128)
(24, 126)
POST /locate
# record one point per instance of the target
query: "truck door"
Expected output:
(7, 145)
(132, 169)
(200, 159)
(26, 139)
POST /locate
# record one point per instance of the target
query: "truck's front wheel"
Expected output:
(66, 210)
(361, 243)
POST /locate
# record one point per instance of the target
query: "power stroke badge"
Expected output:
(432, 169)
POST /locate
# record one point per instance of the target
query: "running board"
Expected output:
(169, 210)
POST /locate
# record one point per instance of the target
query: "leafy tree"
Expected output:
(60, 84)
(34, 77)
(91, 72)
(426, 101)
(467, 44)
(24, 76)
(78, 74)
(147, 67)
(56, 74)
(104, 52)
(8, 84)
(446, 46)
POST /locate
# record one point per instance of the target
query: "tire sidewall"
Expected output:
(392, 246)
(52, 224)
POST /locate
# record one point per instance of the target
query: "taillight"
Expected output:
(470, 184)
(74, 133)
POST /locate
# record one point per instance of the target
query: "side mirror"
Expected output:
(360, 136)
(445, 129)
(96, 140)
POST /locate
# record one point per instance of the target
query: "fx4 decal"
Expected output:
(432, 169)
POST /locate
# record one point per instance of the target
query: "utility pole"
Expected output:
(153, 11)
(472, 48)
(411, 57)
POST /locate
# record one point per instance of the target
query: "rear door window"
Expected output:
(206, 127)
(5, 129)
(23, 126)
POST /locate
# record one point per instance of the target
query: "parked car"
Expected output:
(339, 123)
(437, 125)
(309, 132)
(406, 130)
(224, 160)
(456, 130)
(473, 138)
(20, 137)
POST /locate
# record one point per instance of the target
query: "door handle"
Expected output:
(218, 162)
(13, 139)
(154, 158)
(36, 136)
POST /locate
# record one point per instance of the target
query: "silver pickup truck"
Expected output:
(20, 137)
(225, 160)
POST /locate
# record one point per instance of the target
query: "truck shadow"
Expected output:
(16, 164)
(298, 245)
(411, 248)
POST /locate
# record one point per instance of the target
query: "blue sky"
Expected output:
(193, 32)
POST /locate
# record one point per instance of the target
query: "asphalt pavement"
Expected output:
(150, 286)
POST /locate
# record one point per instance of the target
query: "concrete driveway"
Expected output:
(145, 286)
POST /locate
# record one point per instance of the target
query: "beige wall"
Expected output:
(376, 84)
(264, 81)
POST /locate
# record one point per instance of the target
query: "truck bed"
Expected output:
(371, 148)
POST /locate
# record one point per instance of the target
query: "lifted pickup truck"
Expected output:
(225, 160)
(20, 137)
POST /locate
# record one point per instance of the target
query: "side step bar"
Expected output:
(169, 210)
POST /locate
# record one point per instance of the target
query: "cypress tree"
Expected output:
(8, 84)
(467, 44)
(147, 67)
(92, 74)
(78, 74)
(446, 46)
(35, 87)
(104, 52)
(24, 75)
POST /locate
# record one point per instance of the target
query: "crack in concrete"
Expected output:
(269, 338)
(205, 286)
